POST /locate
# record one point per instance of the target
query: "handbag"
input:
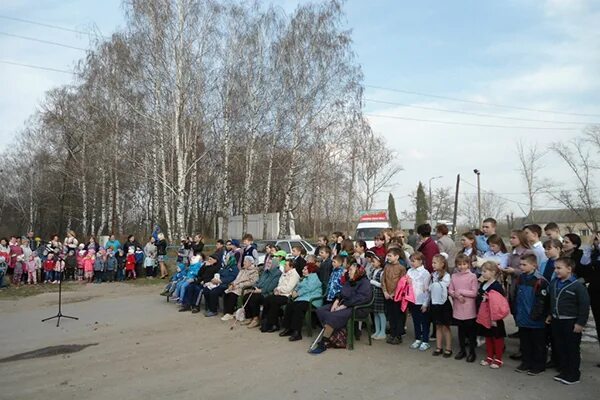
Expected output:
(338, 339)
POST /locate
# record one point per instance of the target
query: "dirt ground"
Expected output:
(146, 349)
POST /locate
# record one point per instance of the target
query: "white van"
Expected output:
(371, 223)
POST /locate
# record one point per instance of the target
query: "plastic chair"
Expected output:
(366, 320)
(308, 321)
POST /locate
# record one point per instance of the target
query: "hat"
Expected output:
(281, 254)
(235, 242)
(372, 255)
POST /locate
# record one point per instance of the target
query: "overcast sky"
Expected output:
(532, 54)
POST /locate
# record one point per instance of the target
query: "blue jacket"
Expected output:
(227, 274)
(268, 280)
(111, 263)
(115, 244)
(335, 284)
(193, 270)
(532, 300)
(310, 287)
(482, 245)
(99, 264)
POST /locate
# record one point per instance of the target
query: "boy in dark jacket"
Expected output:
(569, 310)
(530, 308)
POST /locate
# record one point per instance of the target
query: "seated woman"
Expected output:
(217, 286)
(267, 282)
(356, 291)
(191, 275)
(193, 294)
(281, 294)
(310, 287)
(246, 278)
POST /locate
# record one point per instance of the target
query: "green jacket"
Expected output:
(268, 280)
(310, 287)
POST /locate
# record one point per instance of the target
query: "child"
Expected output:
(31, 270)
(494, 336)
(111, 265)
(463, 290)
(419, 278)
(18, 270)
(392, 272)
(130, 264)
(80, 257)
(441, 309)
(552, 248)
(99, 266)
(121, 259)
(360, 246)
(59, 267)
(299, 261)
(379, 300)
(469, 242)
(530, 309)
(497, 252)
(334, 285)
(88, 265)
(552, 231)
(49, 268)
(533, 233)
(569, 310)
(70, 265)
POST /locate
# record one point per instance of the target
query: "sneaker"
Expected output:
(558, 378)
(378, 337)
(522, 368)
(569, 381)
(484, 363)
(416, 344)
(227, 317)
(534, 372)
(320, 347)
(210, 314)
(424, 346)
(175, 298)
(495, 366)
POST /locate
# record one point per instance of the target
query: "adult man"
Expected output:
(553, 231)
(321, 241)
(489, 228)
(413, 238)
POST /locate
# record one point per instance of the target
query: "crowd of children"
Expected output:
(545, 293)
(30, 261)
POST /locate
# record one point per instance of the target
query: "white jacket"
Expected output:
(287, 282)
(420, 283)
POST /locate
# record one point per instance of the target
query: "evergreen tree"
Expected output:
(392, 211)
(421, 215)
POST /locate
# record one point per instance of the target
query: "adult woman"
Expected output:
(356, 291)
(113, 242)
(281, 294)
(446, 245)
(246, 278)
(161, 251)
(469, 249)
(70, 242)
(571, 249)
(591, 274)
(93, 244)
(267, 282)
(310, 287)
(198, 244)
(150, 257)
(54, 245)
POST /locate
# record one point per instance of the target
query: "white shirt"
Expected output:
(287, 282)
(500, 258)
(538, 250)
(420, 283)
(439, 288)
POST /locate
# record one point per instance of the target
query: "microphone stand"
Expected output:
(60, 314)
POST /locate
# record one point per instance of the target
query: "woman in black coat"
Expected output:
(356, 291)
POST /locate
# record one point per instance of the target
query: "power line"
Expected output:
(494, 194)
(36, 67)
(481, 102)
(469, 123)
(62, 28)
(476, 114)
(43, 41)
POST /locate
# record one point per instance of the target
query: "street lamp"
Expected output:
(430, 200)
(478, 173)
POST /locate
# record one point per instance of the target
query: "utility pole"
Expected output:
(430, 200)
(455, 207)
(478, 173)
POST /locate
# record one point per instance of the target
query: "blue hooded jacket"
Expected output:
(310, 287)
(531, 300)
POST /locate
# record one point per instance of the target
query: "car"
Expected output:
(284, 244)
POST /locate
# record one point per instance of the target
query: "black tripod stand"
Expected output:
(60, 314)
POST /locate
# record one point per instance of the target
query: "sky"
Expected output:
(533, 54)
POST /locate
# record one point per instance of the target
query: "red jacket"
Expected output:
(130, 263)
(379, 252)
(49, 265)
(404, 293)
(429, 248)
(496, 308)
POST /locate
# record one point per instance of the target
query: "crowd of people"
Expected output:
(30, 261)
(473, 287)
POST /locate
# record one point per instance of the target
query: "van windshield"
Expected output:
(367, 233)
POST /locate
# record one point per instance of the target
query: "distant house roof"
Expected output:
(561, 216)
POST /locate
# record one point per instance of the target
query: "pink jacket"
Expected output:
(495, 308)
(404, 293)
(465, 284)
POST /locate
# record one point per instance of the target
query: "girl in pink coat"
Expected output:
(463, 290)
(80, 257)
(88, 265)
